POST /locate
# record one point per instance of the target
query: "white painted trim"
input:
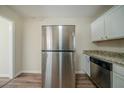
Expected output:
(4, 75)
(11, 50)
(79, 72)
(27, 71)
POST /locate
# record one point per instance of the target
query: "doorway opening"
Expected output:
(7, 50)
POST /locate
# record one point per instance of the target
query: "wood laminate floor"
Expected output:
(3, 81)
(34, 81)
(83, 81)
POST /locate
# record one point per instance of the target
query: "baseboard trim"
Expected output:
(30, 71)
(79, 72)
(76, 72)
(4, 75)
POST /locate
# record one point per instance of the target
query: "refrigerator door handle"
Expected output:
(73, 35)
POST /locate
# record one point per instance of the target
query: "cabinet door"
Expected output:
(86, 64)
(114, 23)
(118, 76)
(118, 81)
(98, 29)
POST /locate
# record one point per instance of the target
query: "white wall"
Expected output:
(31, 57)
(11, 15)
(4, 48)
(28, 45)
(32, 40)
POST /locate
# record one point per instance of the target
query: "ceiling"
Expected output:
(59, 10)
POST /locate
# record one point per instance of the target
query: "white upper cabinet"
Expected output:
(114, 23)
(109, 26)
(98, 29)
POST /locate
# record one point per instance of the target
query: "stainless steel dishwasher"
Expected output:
(101, 73)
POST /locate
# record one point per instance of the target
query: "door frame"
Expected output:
(11, 47)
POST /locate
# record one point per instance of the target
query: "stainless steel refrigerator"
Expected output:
(58, 50)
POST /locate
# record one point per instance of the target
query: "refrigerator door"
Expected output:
(58, 70)
(67, 74)
(58, 37)
(50, 69)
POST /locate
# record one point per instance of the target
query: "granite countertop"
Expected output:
(112, 57)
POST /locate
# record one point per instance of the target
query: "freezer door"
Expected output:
(58, 37)
(58, 69)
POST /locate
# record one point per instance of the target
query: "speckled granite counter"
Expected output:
(112, 57)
